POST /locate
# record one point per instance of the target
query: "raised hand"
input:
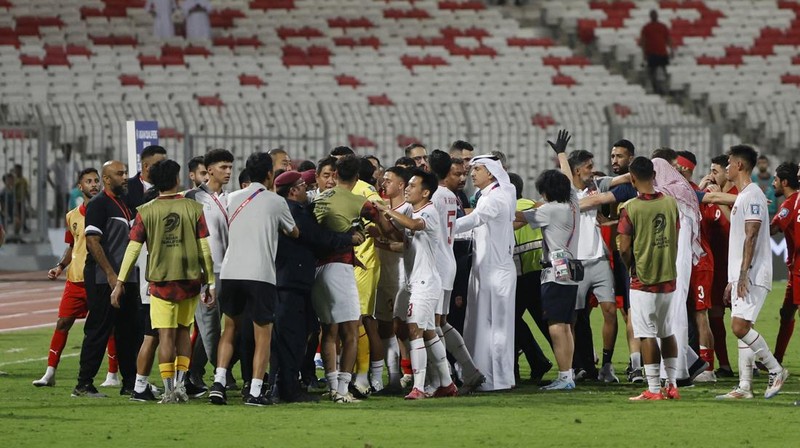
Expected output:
(562, 140)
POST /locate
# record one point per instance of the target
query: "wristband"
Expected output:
(61, 265)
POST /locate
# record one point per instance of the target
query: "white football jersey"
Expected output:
(446, 207)
(419, 258)
(591, 245)
(750, 205)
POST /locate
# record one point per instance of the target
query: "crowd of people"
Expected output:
(422, 270)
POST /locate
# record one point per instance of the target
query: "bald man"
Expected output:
(108, 223)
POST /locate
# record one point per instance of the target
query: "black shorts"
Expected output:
(258, 299)
(144, 321)
(622, 281)
(558, 303)
(654, 60)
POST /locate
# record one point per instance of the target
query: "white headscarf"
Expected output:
(672, 183)
(501, 176)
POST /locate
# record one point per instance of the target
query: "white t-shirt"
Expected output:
(750, 205)
(253, 233)
(591, 245)
(419, 259)
(447, 208)
(559, 230)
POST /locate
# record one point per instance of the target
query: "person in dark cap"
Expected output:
(295, 319)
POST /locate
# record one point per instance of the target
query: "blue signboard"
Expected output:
(141, 134)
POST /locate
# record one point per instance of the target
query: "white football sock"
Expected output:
(746, 358)
(255, 387)
(141, 384)
(438, 357)
(376, 372)
(761, 350)
(333, 380)
(362, 380)
(419, 361)
(636, 360)
(671, 369)
(221, 376)
(49, 373)
(392, 357)
(455, 345)
(344, 382)
(653, 371)
(565, 375)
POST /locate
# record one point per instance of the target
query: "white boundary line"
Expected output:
(24, 361)
(26, 302)
(28, 327)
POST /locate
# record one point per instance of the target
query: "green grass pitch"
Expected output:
(592, 415)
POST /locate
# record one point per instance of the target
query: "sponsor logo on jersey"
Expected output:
(784, 213)
(755, 209)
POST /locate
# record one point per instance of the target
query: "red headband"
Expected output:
(686, 163)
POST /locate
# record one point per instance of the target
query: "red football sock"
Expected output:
(57, 344)
(405, 364)
(784, 335)
(718, 330)
(111, 348)
(707, 355)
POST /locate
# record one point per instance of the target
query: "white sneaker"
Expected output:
(45, 381)
(776, 381)
(180, 394)
(347, 398)
(736, 394)
(607, 374)
(707, 376)
(112, 380)
(376, 386)
(168, 398)
(559, 384)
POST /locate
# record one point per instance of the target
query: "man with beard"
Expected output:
(108, 223)
(73, 301)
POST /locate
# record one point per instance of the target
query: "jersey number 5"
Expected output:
(451, 225)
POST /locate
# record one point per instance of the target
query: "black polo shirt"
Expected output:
(111, 219)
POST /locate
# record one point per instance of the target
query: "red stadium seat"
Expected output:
(357, 141)
(131, 80)
(251, 80)
(380, 100)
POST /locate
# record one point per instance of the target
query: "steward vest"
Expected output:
(171, 226)
(655, 240)
(528, 243)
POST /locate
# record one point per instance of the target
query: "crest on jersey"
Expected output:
(171, 222)
(733, 210)
(659, 223)
(755, 209)
(784, 213)
(74, 227)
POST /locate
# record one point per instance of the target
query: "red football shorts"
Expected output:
(700, 286)
(792, 295)
(73, 301)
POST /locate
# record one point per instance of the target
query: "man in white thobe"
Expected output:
(162, 10)
(198, 25)
(489, 322)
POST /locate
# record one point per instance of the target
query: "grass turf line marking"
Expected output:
(27, 327)
(26, 302)
(44, 358)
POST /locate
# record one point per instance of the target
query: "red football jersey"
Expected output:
(706, 262)
(717, 227)
(787, 220)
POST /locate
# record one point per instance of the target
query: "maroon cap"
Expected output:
(287, 178)
(309, 176)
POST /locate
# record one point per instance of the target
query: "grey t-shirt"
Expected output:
(253, 235)
(560, 231)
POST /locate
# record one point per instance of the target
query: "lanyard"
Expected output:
(247, 201)
(124, 210)
(221, 208)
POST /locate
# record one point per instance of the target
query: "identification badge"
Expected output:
(560, 261)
